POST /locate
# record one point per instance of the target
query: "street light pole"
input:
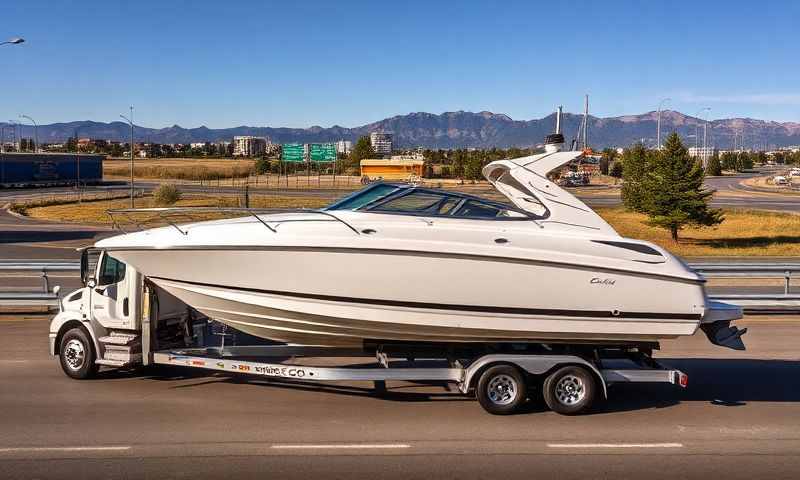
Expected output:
(14, 135)
(696, 136)
(35, 132)
(130, 121)
(705, 133)
(658, 128)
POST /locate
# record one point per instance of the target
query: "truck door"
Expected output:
(111, 297)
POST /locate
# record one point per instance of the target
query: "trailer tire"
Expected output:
(570, 390)
(76, 354)
(501, 390)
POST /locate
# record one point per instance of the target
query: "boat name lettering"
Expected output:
(281, 371)
(602, 281)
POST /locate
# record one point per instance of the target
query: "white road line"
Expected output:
(615, 445)
(64, 449)
(340, 446)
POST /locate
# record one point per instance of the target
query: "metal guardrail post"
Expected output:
(788, 280)
(46, 280)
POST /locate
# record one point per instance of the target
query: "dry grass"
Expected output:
(743, 232)
(95, 212)
(180, 168)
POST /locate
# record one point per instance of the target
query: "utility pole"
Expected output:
(130, 122)
(658, 123)
(585, 121)
(35, 132)
(705, 133)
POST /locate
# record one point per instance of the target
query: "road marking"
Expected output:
(63, 449)
(615, 445)
(340, 446)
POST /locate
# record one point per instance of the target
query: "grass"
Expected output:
(95, 212)
(195, 169)
(743, 233)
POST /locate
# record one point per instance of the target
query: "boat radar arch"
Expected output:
(524, 181)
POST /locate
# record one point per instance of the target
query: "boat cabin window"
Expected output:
(426, 202)
(408, 200)
(364, 197)
(419, 202)
(475, 209)
(111, 271)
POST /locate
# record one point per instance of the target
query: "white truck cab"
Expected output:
(101, 323)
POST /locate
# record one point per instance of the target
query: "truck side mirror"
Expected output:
(91, 283)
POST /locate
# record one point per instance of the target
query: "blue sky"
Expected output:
(303, 63)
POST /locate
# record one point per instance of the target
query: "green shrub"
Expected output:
(167, 194)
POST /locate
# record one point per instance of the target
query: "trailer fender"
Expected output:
(532, 364)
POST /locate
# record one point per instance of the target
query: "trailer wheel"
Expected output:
(501, 390)
(77, 354)
(569, 390)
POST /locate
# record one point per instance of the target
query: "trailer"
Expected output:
(50, 169)
(121, 320)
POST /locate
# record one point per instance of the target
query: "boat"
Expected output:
(404, 263)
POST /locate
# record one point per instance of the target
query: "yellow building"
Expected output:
(395, 168)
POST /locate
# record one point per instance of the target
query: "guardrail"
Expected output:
(787, 271)
(752, 303)
(44, 267)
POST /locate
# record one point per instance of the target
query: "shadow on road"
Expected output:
(44, 236)
(747, 241)
(720, 382)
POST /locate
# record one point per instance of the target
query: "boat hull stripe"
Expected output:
(455, 307)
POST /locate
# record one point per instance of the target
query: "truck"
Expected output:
(120, 319)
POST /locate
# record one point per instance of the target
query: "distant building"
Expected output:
(91, 142)
(381, 143)
(197, 144)
(223, 147)
(344, 147)
(247, 146)
(701, 153)
(401, 167)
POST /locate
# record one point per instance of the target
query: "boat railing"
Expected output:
(171, 216)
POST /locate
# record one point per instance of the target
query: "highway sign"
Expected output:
(292, 152)
(323, 152)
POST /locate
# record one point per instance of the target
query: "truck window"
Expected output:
(111, 271)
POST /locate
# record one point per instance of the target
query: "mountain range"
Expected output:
(461, 130)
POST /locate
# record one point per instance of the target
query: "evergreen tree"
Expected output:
(473, 168)
(634, 168)
(616, 169)
(361, 150)
(744, 162)
(728, 161)
(673, 188)
(714, 166)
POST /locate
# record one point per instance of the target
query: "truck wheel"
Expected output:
(569, 390)
(77, 354)
(501, 390)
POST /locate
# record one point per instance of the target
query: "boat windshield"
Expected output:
(410, 200)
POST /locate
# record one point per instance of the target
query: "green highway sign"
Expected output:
(292, 152)
(323, 152)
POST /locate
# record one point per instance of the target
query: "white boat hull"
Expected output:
(307, 295)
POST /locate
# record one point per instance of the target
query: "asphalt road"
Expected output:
(737, 419)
